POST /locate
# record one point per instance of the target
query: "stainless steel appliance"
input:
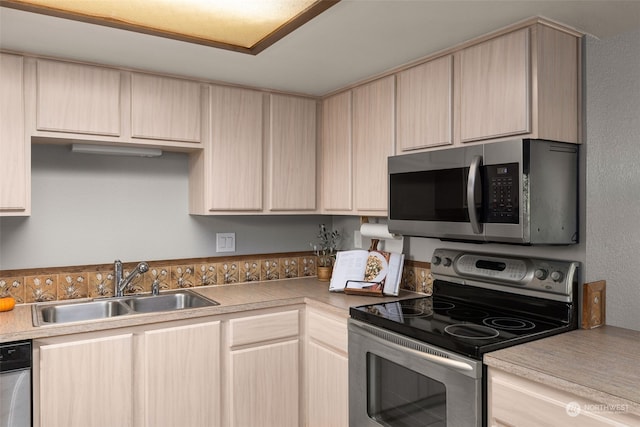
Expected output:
(521, 191)
(418, 362)
(15, 384)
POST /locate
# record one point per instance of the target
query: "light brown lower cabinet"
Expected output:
(285, 366)
(327, 369)
(83, 380)
(516, 401)
(263, 378)
(160, 375)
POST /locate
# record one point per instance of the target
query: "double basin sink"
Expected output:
(54, 313)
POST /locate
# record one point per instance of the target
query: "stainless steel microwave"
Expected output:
(520, 191)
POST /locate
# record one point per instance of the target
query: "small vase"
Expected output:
(324, 273)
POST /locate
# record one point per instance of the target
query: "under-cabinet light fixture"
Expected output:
(115, 150)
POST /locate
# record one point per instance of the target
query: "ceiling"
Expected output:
(349, 42)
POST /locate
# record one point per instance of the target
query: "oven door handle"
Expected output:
(474, 176)
(443, 361)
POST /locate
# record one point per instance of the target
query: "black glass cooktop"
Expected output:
(470, 321)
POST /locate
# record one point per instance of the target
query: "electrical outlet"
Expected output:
(225, 242)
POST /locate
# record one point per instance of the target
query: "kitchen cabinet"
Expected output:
(152, 375)
(77, 98)
(524, 82)
(336, 177)
(227, 174)
(66, 101)
(373, 141)
(424, 110)
(182, 384)
(84, 381)
(261, 157)
(15, 149)
(263, 383)
(291, 154)
(166, 108)
(327, 369)
(513, 400)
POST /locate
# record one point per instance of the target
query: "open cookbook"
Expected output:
(367, 272)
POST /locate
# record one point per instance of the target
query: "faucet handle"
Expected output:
(155, 287)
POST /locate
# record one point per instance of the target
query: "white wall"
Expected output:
(90, 209)
(613, 173)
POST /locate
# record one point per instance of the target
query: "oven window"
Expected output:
(400, 397)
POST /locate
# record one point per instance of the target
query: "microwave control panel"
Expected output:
(502, 193)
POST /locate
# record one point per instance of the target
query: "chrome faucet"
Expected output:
(122, 282)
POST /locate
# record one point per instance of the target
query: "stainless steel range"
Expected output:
(418, 362)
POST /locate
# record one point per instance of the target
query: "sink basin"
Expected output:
(167, 302)
(52, 313)
(75, 312)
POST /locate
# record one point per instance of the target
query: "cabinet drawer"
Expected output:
(326, 330)
(263, 327)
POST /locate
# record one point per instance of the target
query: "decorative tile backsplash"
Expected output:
(96, 281)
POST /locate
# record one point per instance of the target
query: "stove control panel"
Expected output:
(534, 276)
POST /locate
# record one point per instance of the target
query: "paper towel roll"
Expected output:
(377, 231)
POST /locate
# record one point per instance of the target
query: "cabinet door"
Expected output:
(424, 105)
(236, 149)
(182, 376)
(373, 142)
(77, 99)
(165, 108)
(15, 151)
(264, 385)
(495, 87)
(86, 382)
(327, 370)
(515, 401)
(336, 167)
(328, 387)
(292, 154)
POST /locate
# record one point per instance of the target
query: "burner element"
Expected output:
(442, 306)
(509, 323)
(467, 313)
(471, 331)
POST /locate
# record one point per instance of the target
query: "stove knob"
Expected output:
(436, 260)
(557, 276)
(446, 262)
(540, 274)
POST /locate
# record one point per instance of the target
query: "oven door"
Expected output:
(397, 381)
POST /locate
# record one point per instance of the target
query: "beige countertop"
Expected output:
(18, 324)
(600, 364)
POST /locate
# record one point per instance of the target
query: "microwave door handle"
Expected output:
(472, 181)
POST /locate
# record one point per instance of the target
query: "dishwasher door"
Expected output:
(15, 384)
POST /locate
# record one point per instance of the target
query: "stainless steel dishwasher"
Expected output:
(15, 384)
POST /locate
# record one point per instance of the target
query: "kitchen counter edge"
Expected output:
(17, 324)
(598, 364)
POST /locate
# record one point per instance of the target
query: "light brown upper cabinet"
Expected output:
(15, 150)
(373, 142)
(227, 174)
(336, 154)
(424, 110)
(261, 157)
(165, 108)
(291, 155)
(522, 83)
(77, 98)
